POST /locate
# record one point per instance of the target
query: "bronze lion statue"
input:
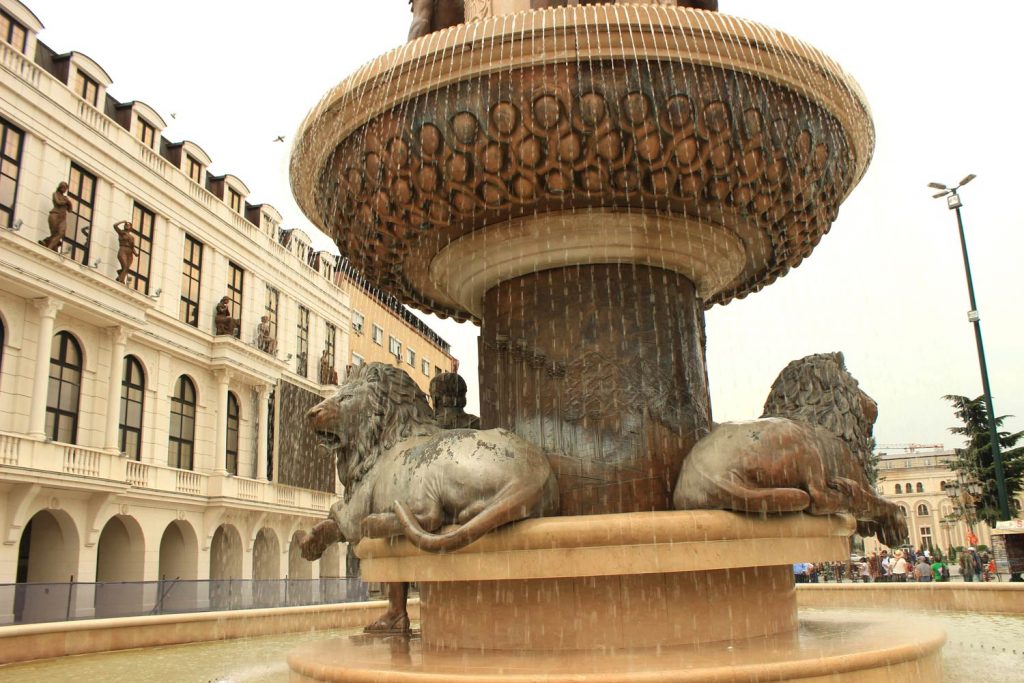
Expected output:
(809, 451)
(405, 475)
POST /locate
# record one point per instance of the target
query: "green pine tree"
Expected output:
(975, 460)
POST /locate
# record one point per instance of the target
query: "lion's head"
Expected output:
(818, 390)
(376, 406)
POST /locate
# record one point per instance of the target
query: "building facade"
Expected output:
(136, 442)
(383, 331)
(915, 479)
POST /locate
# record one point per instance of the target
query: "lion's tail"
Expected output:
(505, 507)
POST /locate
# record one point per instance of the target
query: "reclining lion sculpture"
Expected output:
(808, 452)
(405, 475)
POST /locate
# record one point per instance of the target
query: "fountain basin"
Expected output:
(823, 651)
(659, 596)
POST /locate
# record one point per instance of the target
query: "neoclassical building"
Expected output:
(915, 479)
(137, 443)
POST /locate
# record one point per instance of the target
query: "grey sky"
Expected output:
(886, 286)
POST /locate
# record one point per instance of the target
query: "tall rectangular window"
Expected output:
(410, 356)
(236, 280)
(191, 274)
(82, 191)
(12, 32)
(358, 321)
(11, 143)
(86, 88)
(302, 343)
(395, 347)
(425, 367)
(145, 132)
(273, 301)
(378, 335)
(235, 201)
(330, 340)
(142, 227)
(193, 168)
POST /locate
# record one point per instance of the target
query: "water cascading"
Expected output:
(584, 182)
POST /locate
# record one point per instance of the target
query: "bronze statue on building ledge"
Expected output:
(448, 394)
(126, 249)
(265, 341)
(328, 375)
(223, 322)
(58, 219)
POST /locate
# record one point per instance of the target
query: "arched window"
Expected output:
(903, 509)
(231, 454)
(909, 487)
(133, 387)
(899, 489)
(942, 486)
(64, 390)
(182, 434)
(922, 510)
(920, 487)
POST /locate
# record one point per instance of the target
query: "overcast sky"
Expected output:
(886, 286)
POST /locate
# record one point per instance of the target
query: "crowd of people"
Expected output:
(899, 566)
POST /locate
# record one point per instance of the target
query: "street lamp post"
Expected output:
(954, 203)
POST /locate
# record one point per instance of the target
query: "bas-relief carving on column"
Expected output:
(615, 405)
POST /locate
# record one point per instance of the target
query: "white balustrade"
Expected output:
(15, 61)
(10, 448)
(248, 489)
(285, 495)
(188, 482)
(84, 462)
(320, 500)
(138, 474)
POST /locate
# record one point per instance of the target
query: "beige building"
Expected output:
(136, 444)
(384, 331)
(915, 478)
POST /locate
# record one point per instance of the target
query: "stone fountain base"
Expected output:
(657, 596)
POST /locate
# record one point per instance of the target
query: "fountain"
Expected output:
(583, 182)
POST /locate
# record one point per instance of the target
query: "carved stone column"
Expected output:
(220, 414)
(48, 309)
(603, 367)
(262, 404)
(118, 340)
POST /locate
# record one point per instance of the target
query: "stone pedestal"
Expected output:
(662, 596)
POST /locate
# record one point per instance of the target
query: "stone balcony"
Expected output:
(26, 460)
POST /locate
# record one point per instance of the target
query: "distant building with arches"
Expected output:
(915, 479)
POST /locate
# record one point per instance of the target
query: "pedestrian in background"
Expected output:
(923, 570)
(899, 567)
(967, 565)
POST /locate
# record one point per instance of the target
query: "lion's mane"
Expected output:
(397, 410)
(818, 390)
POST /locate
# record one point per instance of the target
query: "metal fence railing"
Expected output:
(32, 603)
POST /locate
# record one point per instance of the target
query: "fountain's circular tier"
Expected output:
(824, 650)
(641, 579)
(655, 596)
(686, 140)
